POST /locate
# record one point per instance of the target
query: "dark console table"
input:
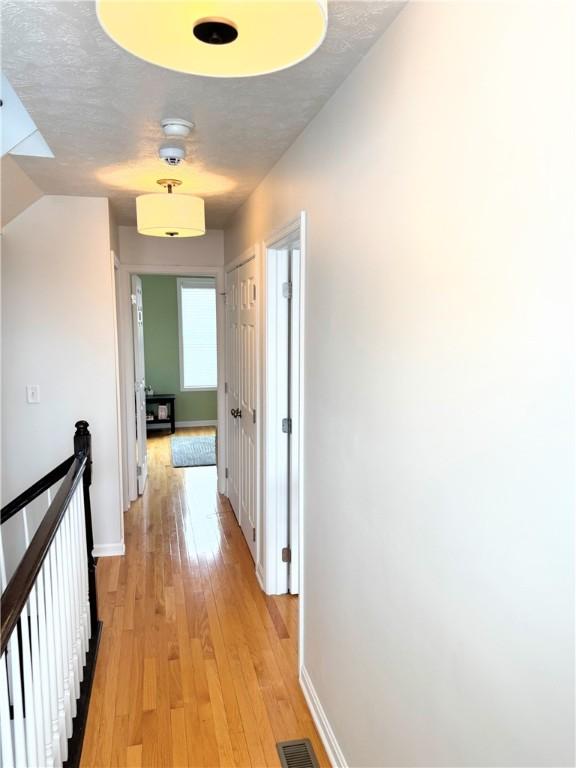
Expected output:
(162, 400)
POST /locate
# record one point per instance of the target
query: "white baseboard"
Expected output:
(335, 754)
(108, 550)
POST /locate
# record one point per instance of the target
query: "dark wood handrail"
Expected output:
(16, 593)
(39, 487)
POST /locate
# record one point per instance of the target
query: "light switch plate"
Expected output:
(33, 393)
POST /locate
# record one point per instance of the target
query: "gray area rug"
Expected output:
(194, 451)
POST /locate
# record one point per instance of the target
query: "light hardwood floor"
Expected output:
(197, 667)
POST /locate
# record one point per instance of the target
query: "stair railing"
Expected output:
(49, 628)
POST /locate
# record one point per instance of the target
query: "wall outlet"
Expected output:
(33, 393)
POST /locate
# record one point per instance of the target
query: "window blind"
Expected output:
(198, 363)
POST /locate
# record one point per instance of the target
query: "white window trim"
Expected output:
(195, 282)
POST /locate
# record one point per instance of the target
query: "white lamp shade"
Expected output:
(165, 215)
(271, 34)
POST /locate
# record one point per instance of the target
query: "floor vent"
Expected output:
(297, 754)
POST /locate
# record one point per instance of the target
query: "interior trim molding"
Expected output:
(108, 550)
(247, 255)
(128, 416)
(333, 750)
(260, 576)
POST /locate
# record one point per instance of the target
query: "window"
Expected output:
(197, 322)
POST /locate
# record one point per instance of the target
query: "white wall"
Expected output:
(206, 251)
(58, 332)
(439, 443)
(18, 190)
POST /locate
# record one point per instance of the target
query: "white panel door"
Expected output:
(247, 416)
(233, 393)
(139, 383)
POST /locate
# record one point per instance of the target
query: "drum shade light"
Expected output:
(169, 215)
(234, 38)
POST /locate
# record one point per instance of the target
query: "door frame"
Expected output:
(230, 400)
(140, 392)
(128, 431)
(274, 443)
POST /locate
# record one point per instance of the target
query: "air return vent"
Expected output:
(297, 754)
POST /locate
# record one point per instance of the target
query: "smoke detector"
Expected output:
(176, 128)
(172, 154)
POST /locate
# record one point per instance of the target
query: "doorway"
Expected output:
(175, 363)
(183, 385)
(283, 387)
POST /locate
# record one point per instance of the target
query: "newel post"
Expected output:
(83, 447)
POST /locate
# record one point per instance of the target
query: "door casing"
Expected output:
(232, 389)
(128, 435)
(139, 383)
(274, 444)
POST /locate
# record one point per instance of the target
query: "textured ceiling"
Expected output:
(99, 107)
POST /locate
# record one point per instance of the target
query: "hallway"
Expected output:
(196, 665)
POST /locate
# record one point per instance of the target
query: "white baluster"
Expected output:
(78, 597)
(3, 580)
(73, 659)
(48, 656)
(5, 723)
(53, 623)
(16, 697)
(30, 692)
(26, 527)
(83, 571)
(85, 556)
(64, 636)
(40, 674)
(76, 645)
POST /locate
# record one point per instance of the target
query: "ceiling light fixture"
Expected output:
(169, 215)
(233, 38)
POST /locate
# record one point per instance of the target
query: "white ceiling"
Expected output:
(99, 107)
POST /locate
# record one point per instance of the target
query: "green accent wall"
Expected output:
(162, 352)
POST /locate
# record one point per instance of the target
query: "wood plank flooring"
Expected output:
(197, 667)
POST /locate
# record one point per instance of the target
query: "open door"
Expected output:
(139, 384)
